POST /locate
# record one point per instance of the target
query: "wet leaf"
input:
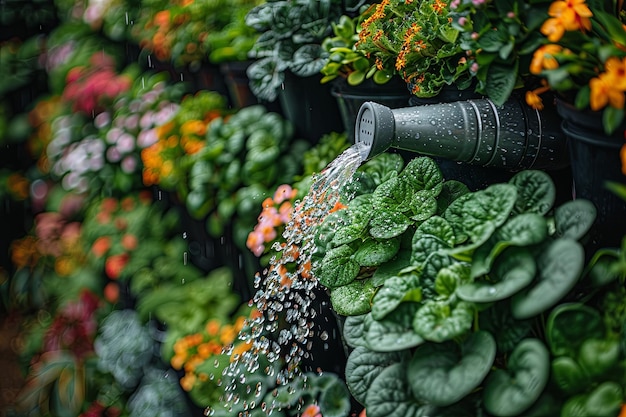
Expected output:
(375, 252)
(353, 299)
(395, 331)
(423, 173)
(389, 395)
(525, 229)
(511, 391)
(449, 278)
(560, 265)
(422, 205)
(364, 365)
(389, 224)
(438, 321)
(338, 267)
(392, 195)
(424, 245)
(475, 215)
(514, 270)
(535, 192)
(439, 227)
(451, 190)
(443, 374)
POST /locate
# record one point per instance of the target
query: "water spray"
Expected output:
(513, 136)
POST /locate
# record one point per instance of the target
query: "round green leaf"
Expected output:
(597, 356)
(364, 365)
(389, 224)
(442, 374)
(374, 252)
(334, 399)
(560, 265)
(605, 401)
(353, 299)
(389, 395)
(353, 331)
(568, 375)
(569, 324)
(439, 321)
(574, 218)
(338, 267)
(512, 391)
(535, 192)
(513, 270)
(395, 331)
(393, 292)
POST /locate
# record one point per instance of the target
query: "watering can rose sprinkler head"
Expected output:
(513, 136)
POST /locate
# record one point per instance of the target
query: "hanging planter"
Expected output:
(595, 160)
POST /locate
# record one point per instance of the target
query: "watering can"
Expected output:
(512, 136)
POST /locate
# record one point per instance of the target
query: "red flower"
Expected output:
(101, 246)
(129, 242)
(114, 265)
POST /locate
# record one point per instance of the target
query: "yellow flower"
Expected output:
(543, 58)
(603, 92)
(188, 381)
(553, 29)
(573, 14)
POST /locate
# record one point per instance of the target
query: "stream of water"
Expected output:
(285, 295)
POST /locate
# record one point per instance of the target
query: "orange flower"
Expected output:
(312, 411)
(553, 29)
(24, 252)
(604, 92)
(212, 327)
(188, 381)
(114, 265)
(239, 349)
(623, 412)
(129, 242)
(112, 292)
(543, 58)
(622, 154)
(572, 14)
(101, 246)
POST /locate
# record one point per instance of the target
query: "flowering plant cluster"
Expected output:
(177, 31)
(112, 17)
(584, 58)
(163, 161)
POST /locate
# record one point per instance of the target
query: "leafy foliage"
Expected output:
(454, 283)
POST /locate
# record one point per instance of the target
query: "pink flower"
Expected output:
(283, 192)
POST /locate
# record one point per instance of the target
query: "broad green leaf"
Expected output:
(393, 293)
(605, 400)
(514, 269)
(423, 173)
(338, 267)
(425, 245)
(443, 374)
(522, 230)
(601, 268)
(375, 252)
(574, 218)
(364, 365)
(438, 321)
(395, 331)
(450, 191)
(392, 195)
(422, 205)
(439, 227)
(430, 268)
(391, 268)
(597, 356)
(535, 192)
(389, 224)
(560, 265)
(334, 400)
(353, 299)
(569, 324)
(449, 278)
(501, 79)
(390, 396)
(354, 331)
(477, 214)
(511, 391)
(568, 375)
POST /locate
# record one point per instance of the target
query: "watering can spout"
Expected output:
(513, 136)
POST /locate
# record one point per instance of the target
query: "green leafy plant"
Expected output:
(344, 60)
(291, 34)
(441, 287)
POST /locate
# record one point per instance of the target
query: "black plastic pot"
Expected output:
(595, 160)
(309, 105)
